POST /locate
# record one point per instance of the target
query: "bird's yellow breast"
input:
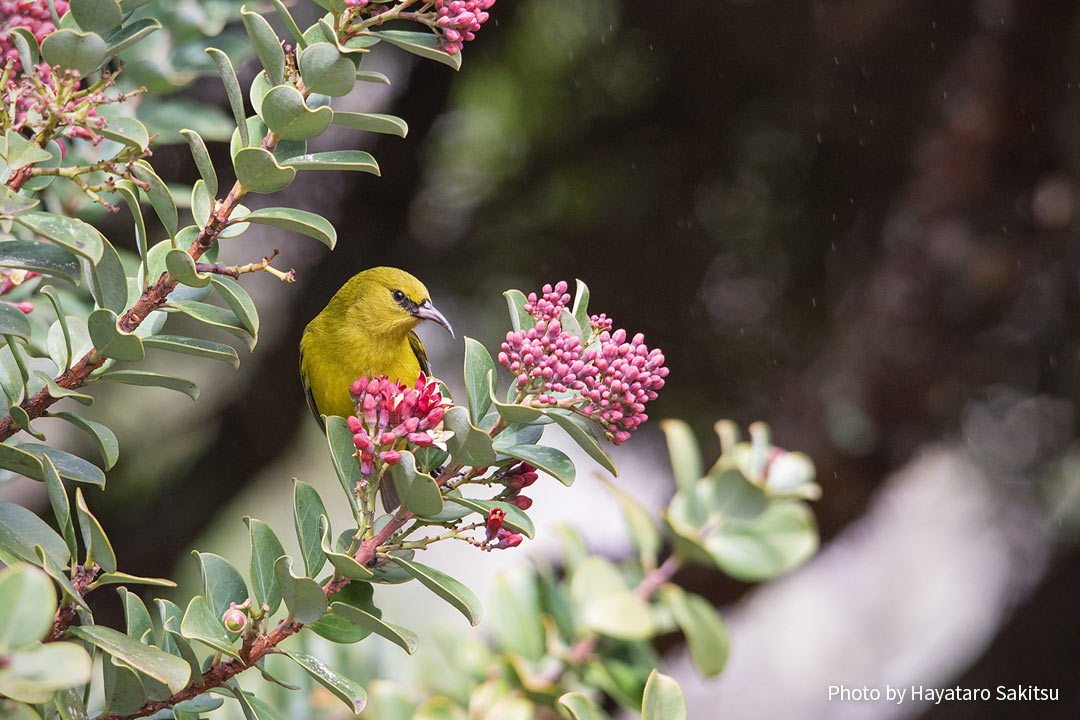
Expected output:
(332, 358)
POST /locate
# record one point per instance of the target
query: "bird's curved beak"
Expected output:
(427, 311)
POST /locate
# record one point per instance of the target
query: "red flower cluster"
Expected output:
(611, 377)
(390, 416)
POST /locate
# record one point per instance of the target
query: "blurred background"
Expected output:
(857, 220)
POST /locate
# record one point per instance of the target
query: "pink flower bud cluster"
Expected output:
(550, 304)
(518, 477)
(628, 375)
(546, 358)
(390, 416)
(613, 378)
(30, 14)
(459, 20)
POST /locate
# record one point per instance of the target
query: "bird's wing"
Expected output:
(421, 354)
(308, 394)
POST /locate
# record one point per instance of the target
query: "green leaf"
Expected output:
(21, 462)
(98, 548)
(418, 492)
(27, 46)
(129, 193)
(402, 637)
(266, 44)
(194, 346)
(357, 160)
(99, 16)
(106, 439)
(553, 462)
(643, 532)
(40, 257)
(336, 628)
(127, 131)
(419, 43)
(265, 549)
(307, 509)
(201, 624)
(290, 24)
(43, 181)
(705, 632)
(120, 578)
(479, 376)
(106, 280)
(82, 52)
(684, 452)
(344, 565)
(145, 378)
(61, 506)
(779, 539)
(181, 267)
(160, 665)
(326, 71)
(368, 122)
(69, 705)
(160, 197)
(581, 307)
(287, 115)
(342, 451)
(515, 520)
(232, 91)
(219, 317)
(12, 202)
(13, 321)
(663, 699)
(33, 675)
(469, 445)
(109, 341)
(340, 686)
(514, 600)
(258, 171)
(302, 595)
(581, 707)
(446, 587)
(136, 616)
(580, 431)
(202, 160)
(301, 221)
(21, 151)
(570, 325)
(372, 77)
(28, 599)
(130, 34)
(71, 233)
(222, 583)
(70, 467)
(124, 690)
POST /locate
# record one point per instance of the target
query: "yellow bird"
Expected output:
(367, 328)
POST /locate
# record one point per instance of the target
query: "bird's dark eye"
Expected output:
(398, 296)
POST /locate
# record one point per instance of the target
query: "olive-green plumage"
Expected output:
(365, 329)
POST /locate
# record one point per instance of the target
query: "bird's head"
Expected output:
(386, 300)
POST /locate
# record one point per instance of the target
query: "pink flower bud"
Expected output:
(354, 424)
(522, 502)
(494, 522)
(390, 457)
(26, 307)
(387, 438)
